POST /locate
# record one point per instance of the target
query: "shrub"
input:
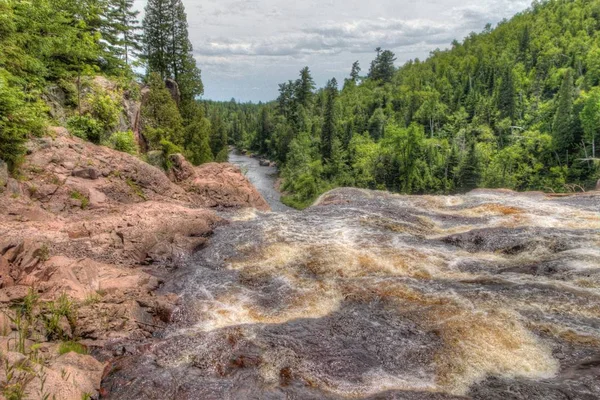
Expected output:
(223, 155)
(105, 110)
(124, 141)
(86, 128)
(169, 148)
(18, 118)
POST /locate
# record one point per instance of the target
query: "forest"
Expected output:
(515, 106)
(53, 49)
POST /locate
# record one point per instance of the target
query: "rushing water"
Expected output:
(490, 295)
(263, 178)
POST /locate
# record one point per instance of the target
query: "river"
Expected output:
(263, 178)
(491, 295)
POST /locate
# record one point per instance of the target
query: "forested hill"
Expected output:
(517, 106)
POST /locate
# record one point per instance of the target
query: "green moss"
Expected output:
(136, 189)
(67, 347)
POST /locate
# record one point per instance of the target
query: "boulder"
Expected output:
(264, 163)
(87, 173)
(223, 185)
(173, 88)
(181, 168)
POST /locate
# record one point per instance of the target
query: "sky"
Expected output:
(245, 48)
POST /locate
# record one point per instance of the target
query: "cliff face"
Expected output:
(104, 228)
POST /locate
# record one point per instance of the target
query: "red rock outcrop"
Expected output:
(217, 185)
(92, 222)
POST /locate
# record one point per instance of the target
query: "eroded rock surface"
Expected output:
(489, 295)
(106, 229)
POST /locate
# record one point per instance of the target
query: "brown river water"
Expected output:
(370, 295)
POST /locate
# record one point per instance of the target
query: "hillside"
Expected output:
(515, 106)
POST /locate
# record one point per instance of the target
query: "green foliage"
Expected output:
(105, 109)
(197, 137)
(19, 117)
(161, 119)
(86, 127)
(85, 201)
(516, 107)
(124, 141)
(69, 346)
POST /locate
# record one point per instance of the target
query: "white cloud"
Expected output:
(245, 47)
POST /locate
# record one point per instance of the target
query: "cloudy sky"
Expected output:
(246, 47)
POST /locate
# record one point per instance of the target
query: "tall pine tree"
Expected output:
(168, 50)
(562, 129)
(328, 130)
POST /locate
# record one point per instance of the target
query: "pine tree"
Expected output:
(157, 27)
(562, 129)
(382, 67)
(355, 73)
(328, 130)
(507, 95)
(122, 29)
(168, 49)
(304, 87)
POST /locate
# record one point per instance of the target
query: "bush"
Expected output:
(105, 110)
(18, 119)
(124, 141)
(86, 128)
(223, 155)
(169, 148)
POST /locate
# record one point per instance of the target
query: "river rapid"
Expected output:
(370, 295)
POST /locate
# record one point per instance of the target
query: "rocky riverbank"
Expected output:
(98, 230)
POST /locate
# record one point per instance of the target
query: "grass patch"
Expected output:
(85, 201)
(136, 189)
(67, 347)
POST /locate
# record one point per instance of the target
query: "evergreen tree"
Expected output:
(355, 73)
(562, 128)
(157, 25)
(167, 47)
(218, 137)
(507, 96)
(382, 67)
(304, 87)
(328, 134)
(122, 30)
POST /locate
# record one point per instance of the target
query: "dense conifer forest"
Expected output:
(517, 106)
(514, 106)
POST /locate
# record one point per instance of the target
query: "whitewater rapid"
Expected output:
(367, 294)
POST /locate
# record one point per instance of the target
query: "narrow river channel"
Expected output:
(263, 178)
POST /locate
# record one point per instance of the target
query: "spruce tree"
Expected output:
(562, 128)
(507, 95)
(382, 68)
(168, 50)
(122, 29)
(157, 27)
(304, 87)
(355, 73)
(328, 130)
